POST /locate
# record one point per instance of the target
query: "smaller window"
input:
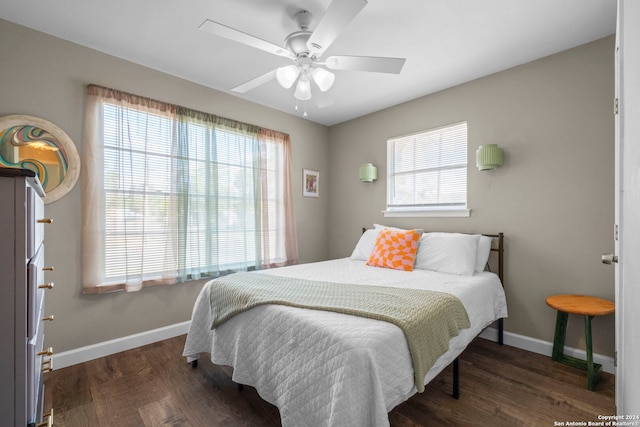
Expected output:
(427, 173)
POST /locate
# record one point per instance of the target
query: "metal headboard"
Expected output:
(499, 249)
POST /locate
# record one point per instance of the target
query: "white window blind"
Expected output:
(428, 170)
(174, 195)
(225, 173)
(136, 186)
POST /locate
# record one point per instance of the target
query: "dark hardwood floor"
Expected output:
(154, 386)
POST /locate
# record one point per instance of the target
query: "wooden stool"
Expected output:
(588, 307)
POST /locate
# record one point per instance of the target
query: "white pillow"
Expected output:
(382, 227)
(452, 253)
(365, 245)
(482, 256)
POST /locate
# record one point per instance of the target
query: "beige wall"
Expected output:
(45, 77)
(553, 198)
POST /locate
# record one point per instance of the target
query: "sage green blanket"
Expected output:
(428, 319)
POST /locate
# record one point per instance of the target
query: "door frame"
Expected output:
(628, 208)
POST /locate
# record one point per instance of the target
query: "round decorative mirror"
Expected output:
(33, 143)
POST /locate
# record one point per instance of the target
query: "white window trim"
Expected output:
(430, 211)
(461, 212)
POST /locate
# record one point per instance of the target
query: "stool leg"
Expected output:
(591, 370)
(561, 332)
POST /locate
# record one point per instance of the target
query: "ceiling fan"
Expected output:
(305, 48)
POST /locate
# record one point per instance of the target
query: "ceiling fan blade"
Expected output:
(254, 83)
(365, 63)
(244, 38)
(334, 20)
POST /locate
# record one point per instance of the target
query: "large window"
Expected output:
(427, 173)
(175, 195)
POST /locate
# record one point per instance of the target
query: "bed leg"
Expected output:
(456, 379)
(194, 364)
(501, 331)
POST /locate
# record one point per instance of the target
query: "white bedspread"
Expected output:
(330, 369)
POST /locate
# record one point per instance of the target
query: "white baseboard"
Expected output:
(546, 348)
(95, 351)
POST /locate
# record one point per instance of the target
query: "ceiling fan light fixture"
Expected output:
(287, 75)
(303, 90)
(323, 78)
(305, 47)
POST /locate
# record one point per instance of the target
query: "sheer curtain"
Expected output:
(172, 194)
(282, 246)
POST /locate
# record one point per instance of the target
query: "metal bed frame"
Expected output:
(456, 365)
(500, 250)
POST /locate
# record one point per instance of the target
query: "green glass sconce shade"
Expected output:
(489, 157)
(368, 172)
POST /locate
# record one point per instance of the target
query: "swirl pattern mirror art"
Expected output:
(36, 144)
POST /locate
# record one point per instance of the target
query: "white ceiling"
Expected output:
(446, 42)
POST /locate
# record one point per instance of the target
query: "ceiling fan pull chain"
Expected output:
(304, 111)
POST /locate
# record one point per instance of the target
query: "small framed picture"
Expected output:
(310, 182)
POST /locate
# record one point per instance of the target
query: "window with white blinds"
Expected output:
(141, 189)
(427, 171)
(172, 195)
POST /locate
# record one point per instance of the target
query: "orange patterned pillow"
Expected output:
(395, 249)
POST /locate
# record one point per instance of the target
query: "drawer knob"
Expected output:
(48, 318)
(47, 268)
(45, 221)
(47, 352)
(49, 417)
(46, 286)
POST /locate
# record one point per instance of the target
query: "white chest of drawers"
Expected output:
(22, 294)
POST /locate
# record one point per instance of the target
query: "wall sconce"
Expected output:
(368, 172)
(489, 157)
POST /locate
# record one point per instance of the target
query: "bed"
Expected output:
(329, 368)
